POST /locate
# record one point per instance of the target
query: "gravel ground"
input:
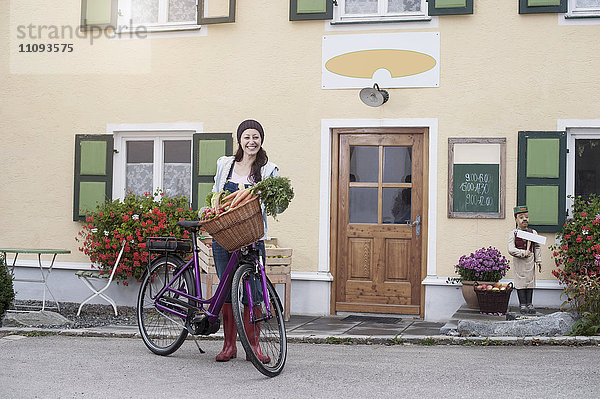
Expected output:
(92, 315)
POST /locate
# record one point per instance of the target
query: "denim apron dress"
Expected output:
(221, 255)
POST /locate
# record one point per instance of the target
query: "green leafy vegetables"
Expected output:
(212, 199)
(275, 194)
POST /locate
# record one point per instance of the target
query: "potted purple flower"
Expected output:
(486, 265)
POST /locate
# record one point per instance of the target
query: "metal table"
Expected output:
(45, 269)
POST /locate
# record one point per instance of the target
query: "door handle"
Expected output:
(417, 225)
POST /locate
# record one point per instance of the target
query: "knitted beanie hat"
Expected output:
(250, 124)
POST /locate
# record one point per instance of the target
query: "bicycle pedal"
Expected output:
(198, 318)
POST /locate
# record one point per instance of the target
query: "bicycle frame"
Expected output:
(218, 299)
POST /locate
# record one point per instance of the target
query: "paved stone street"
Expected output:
(67, 367)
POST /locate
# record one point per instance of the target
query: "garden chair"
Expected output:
(85, 276)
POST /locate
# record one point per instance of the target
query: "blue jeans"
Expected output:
(221, 257)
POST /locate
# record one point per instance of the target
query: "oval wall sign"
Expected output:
(364, 63)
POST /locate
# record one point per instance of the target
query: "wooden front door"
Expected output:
(380, 218)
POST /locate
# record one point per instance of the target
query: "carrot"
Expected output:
(245, 201)
(225, 203)
(230, 196)
(239, 198)
(234, 198)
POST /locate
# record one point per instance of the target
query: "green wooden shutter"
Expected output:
(98, 14)
(541, 178)
(301, 10)
(542, 6)
(93, 172)
(208, 147)
(450, 7)
(225, 17)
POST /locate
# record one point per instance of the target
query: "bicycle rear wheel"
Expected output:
(162, 332)
(263, 337)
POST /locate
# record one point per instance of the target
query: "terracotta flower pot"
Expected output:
(469, 293)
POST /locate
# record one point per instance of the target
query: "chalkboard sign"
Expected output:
(476, 177)
(476, 188)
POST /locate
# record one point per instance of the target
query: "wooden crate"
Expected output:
(276, 257)
(278, 268)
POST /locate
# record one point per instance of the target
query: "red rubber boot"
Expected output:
(229, 350)
(253, 332)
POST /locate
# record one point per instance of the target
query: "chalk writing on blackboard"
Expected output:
(476, 188)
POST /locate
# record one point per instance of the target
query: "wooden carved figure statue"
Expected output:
(524, 246)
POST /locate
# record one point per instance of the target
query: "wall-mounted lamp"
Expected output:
(374, 96)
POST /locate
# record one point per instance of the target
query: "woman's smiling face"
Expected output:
(250, 141)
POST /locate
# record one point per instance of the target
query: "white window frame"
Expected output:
(581, 12)
(572, 135)
(382, 16)
(145, 132)
(125, 25)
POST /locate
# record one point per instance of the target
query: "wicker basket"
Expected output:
(238, 227)
(493, 301)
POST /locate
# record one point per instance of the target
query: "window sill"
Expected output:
(582, 16)
(380, 21)
(578, 19)
(161, 32)
(159, 29)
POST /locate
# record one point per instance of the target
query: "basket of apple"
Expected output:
(493, 298)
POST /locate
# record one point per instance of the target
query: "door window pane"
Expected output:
(364, 163)
(587, 167)
(396, 205)
(397, 164)
(139, 167)
(363, 205)
(177, 168)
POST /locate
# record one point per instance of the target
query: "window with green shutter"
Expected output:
(450, 7)
(311, 9)
(93, 172)
(208, 147)
(541, 178)
(142, 16)
(542, 6)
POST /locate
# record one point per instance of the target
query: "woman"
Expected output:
(247, 167)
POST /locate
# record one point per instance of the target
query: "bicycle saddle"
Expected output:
(189, 224)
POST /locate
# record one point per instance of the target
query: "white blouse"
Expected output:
(235, 178)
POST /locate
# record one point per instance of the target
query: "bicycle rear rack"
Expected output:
(166, 245)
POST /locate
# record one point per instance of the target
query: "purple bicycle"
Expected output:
(170, 304)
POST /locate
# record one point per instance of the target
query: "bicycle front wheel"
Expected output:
(162, 332)
(263, 337)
